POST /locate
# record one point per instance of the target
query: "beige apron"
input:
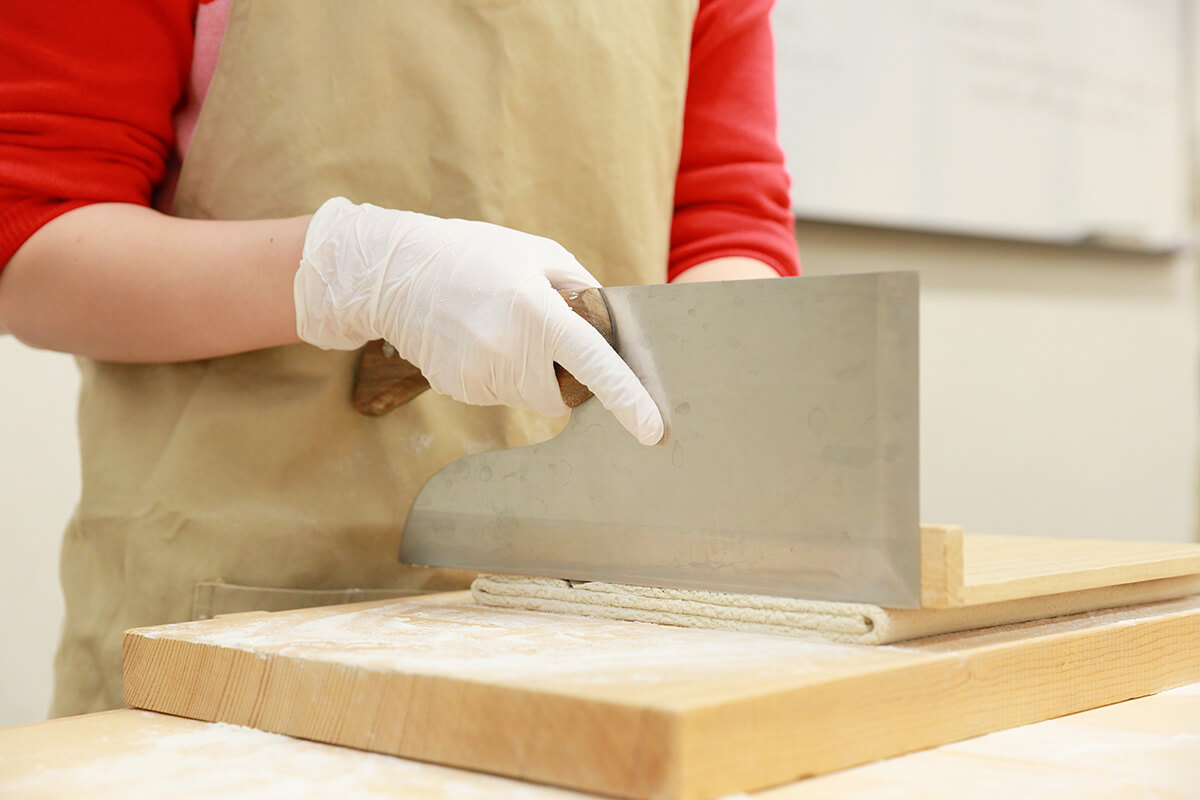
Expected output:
(248, 482)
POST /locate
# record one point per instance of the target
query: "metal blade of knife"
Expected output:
(790, 465)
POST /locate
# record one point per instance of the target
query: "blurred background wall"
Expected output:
(39, 484)
(1059, 386)
(1059, 389)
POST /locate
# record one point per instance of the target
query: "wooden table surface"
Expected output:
(1149, 747)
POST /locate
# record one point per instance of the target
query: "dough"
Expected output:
(858, 623)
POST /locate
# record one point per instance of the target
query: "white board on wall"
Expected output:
(1043, 120)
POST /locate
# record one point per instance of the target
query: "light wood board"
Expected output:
(636, 710)
(960, 569)
(1152, 743)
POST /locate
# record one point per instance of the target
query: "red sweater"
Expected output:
(89, 95)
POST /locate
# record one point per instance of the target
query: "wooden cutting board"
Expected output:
(637, 710)
(1151, 743)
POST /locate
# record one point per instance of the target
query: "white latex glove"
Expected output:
(472, 305)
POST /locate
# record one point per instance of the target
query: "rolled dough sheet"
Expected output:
(857, 623)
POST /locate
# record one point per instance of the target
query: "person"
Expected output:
(215, 204)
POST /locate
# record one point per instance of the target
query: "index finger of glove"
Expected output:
(584, 353)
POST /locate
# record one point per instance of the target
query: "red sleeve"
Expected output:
(87, 92)
(731, 194)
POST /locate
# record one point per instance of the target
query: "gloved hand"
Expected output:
(472, 305)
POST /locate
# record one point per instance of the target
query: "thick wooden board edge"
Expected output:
(941, 566)
(1024, 677)
(157, 758)
(531, 735)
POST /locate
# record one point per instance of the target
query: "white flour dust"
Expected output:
(161, 757)
(467, 641)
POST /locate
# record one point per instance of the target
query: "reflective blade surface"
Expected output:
(790, 465)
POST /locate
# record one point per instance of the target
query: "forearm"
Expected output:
(731, 268)
(125, 283)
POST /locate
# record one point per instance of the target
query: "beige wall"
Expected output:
(39, 482)
(1059, 386)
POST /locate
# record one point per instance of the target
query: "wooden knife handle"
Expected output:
(385, 381)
